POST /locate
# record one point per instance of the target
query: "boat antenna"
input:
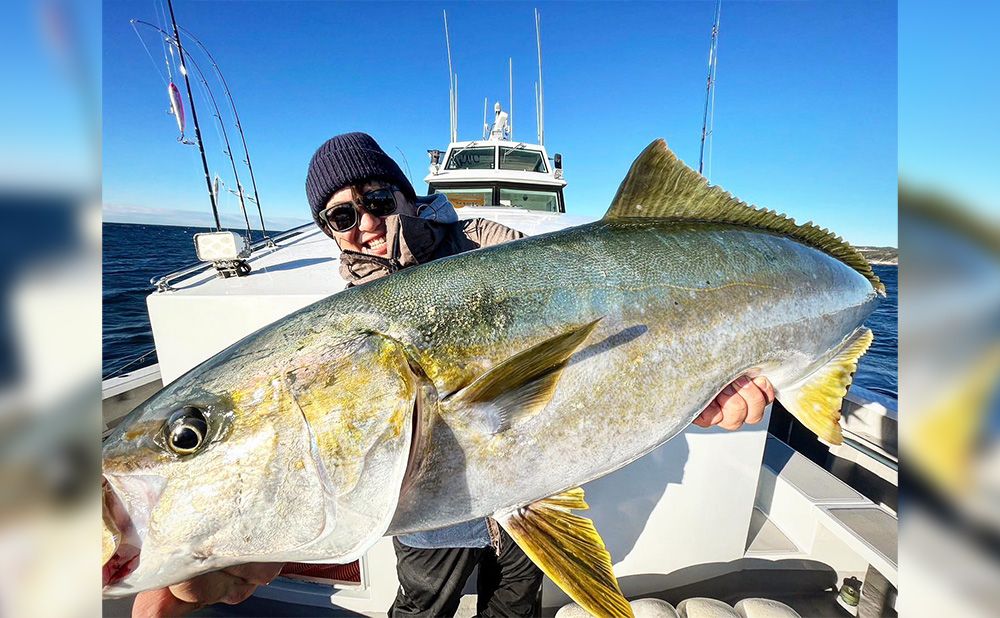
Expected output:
(541, 92)
(510, 107)
(239, 128)
(194, 116)
(452, 84)
(708, 119)
(486, 127)
(537, 133)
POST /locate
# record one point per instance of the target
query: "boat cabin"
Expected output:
(498, 173)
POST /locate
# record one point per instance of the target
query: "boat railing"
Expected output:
(162, 283)
(871, 423)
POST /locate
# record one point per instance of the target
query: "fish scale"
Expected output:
(759, 312)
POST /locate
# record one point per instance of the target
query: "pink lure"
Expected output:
(176, 107)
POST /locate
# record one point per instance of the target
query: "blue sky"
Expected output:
(948, 95)
(805, 104)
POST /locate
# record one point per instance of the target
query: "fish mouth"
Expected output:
(120, 531)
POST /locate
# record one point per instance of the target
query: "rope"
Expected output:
(129, 364)
(163, 42)
(156, 67)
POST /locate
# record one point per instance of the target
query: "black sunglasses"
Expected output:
(345, 216)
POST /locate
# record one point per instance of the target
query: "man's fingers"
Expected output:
(160, 604)
(709, 416)
(238, 593)
(734, 408)
(765, 385)
(741, 402)
(206, 589)
(232, 585)
(259, 573)
(754, 398)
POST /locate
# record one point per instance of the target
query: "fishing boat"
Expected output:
(765, 512)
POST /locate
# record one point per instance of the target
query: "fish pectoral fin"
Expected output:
(521, 385)
(816, 400)
(569, 550)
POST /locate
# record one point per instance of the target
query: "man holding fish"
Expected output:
(361, 199)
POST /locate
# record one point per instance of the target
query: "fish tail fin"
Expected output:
(816, 400)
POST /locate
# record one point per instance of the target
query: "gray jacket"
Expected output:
(434, 233)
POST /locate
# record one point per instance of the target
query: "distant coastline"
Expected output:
(881, 255)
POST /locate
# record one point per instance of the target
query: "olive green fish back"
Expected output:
(660, 185)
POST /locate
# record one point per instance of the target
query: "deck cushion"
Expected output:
(764, 608)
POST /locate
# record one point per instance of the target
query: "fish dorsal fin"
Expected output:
(521, 385)
(659, 185)
(569, 550)
(817, 399)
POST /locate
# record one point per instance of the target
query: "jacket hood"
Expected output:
(411, 241)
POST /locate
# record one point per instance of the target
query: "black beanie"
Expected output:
(347, 160)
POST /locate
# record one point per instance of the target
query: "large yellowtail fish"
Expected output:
(492, 383)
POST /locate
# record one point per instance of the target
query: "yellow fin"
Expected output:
(521, 385)
(659, 185)
(569, 550)
(816, 401)
(945, 431)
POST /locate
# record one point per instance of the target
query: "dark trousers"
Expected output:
(431, 580)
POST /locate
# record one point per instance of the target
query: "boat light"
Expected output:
(220, 246)
(558, 173)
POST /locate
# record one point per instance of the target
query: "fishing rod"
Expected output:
(194, 117)
(706, 129)
(239, 128)
(218, 115)
(229, 150)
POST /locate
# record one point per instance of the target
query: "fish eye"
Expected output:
(186, 430)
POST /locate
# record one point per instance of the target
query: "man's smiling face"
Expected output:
(368, 236)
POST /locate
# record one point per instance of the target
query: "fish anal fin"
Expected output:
(816, 400)
(568, 549)
(659, 185)
(524, 383)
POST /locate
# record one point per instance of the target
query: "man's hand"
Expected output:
(231, 585)
(743, 401)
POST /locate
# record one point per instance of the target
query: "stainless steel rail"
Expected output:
(162, 283)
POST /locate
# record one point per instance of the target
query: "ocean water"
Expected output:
(132, 255)
(877, 369)
(135, 253)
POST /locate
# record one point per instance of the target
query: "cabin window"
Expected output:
(460, 198)
(472, 159)
(530, 199)
(522, 160)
